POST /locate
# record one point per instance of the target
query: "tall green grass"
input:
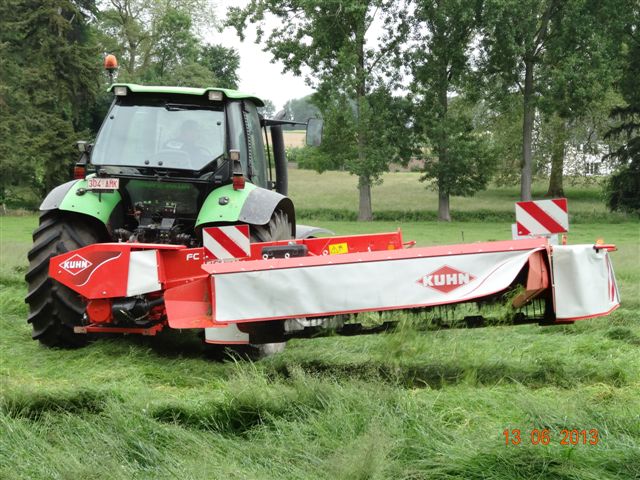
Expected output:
(334, 196)
(411, 404)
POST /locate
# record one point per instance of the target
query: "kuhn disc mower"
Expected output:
(295, 288)
(175, 221)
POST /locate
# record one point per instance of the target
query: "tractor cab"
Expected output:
(166, 157)
(182, 132)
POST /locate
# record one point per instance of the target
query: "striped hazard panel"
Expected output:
(542, 217)
(223, 243)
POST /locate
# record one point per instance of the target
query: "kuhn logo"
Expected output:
(75, 264)
(446, 279)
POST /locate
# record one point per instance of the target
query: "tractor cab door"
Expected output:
(246, 136)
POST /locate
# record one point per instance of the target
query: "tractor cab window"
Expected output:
(160, 133)
(257, 157)
(237, 138)
(246, 136)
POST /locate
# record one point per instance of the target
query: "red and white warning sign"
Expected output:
(542, 217)
(228, 242)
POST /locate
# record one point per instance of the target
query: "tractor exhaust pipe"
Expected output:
(280, 160)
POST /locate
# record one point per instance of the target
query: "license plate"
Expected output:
(103, 183)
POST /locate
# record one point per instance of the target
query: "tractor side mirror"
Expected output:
(314, 131)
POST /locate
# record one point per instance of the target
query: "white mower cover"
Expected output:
(229, 335)
(584, 282)
(362, 285)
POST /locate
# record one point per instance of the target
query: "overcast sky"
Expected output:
(257, 74)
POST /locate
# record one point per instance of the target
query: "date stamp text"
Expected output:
(516, 436)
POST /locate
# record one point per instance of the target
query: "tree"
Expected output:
(502, 122)
(515, 38)
(223, 63)
(174, 43)
(555, 54)
(158, 42)
(623, 187)
(572, 145)
(458, 158)
(328, 39)
(581, 64)
(386, 139)
(269, 109)
(50, 75)
(301, 109)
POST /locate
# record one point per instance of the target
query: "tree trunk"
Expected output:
(444, 214)
(556, 188)
(132, 58)
(526, 176)
(132, 63)
(443, 147)
(365, 213)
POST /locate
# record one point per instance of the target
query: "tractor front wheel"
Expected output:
(53, 308)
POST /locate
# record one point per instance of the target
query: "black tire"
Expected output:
(278, 228)
(53, 308)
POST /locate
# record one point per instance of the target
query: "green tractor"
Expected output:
(167, 162)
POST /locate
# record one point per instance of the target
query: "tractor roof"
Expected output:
(135, 88)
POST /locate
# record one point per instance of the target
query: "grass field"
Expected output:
(411, 404)
(333, 195)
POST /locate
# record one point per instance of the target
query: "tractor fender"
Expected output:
(55, 197)
(306, 231)
(73, 196)
(253, 205)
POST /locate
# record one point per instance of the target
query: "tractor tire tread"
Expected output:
(53, 308)
(42, 245)
(47, 219)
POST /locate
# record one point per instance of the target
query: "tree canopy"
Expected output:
(48, 81)
(328, 42)
(623, 187)
(474, 91)
(53, 88)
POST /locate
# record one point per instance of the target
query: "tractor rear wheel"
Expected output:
(278, 228)
(53, 308)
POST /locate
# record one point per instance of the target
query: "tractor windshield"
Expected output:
(157, 133)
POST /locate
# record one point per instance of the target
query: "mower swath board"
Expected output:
(374, 281)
